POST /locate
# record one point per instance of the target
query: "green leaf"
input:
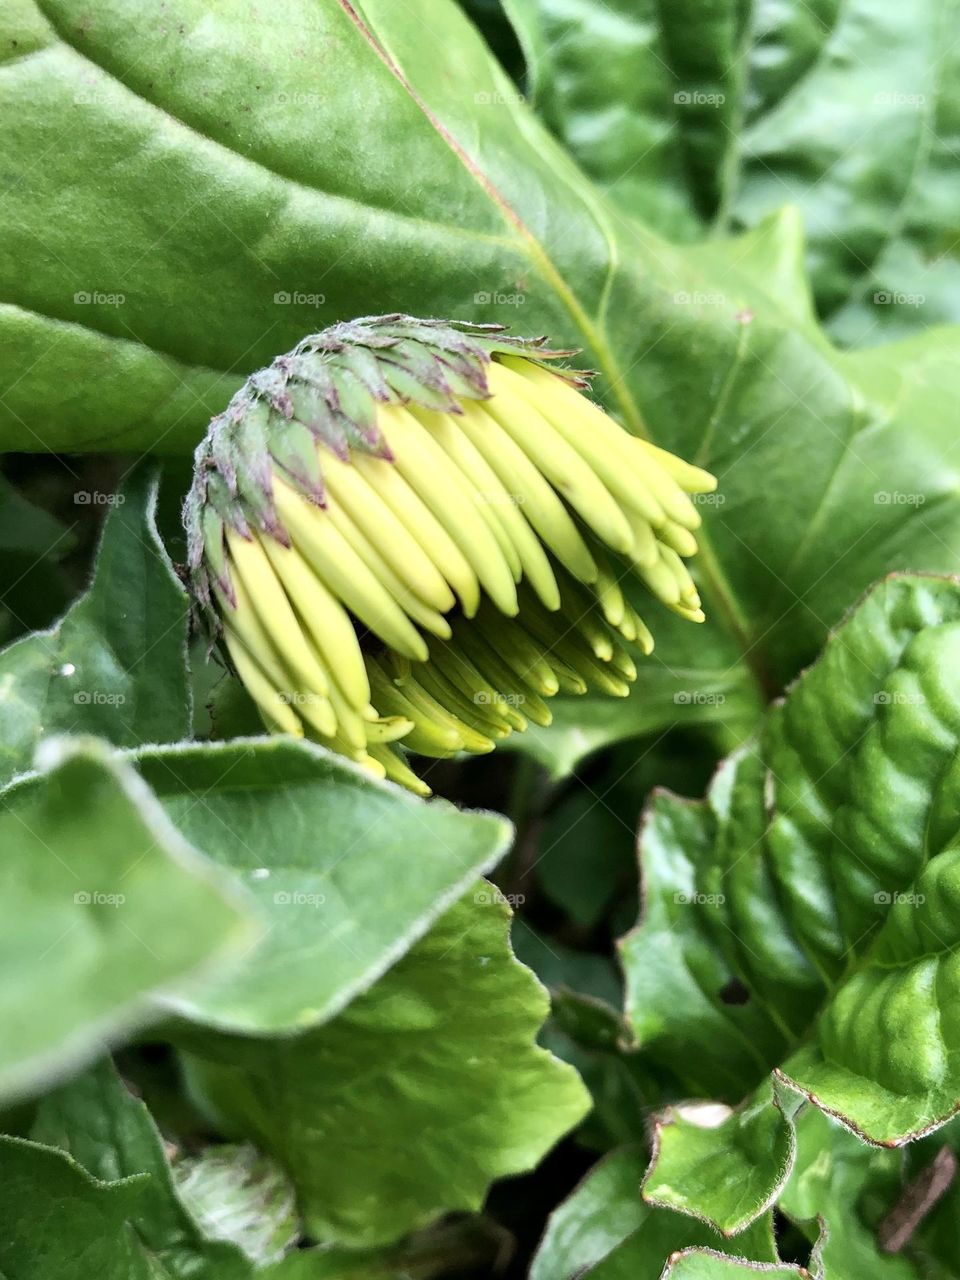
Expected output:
(826, 876)
(707, 1264)
(678, 976)
(91, 1219)
(604, 1230)
(905, 987)
(348, 872)
(115, 664)
(727, 1173)
(95, 1186)
(694, 119)
(111, 1135)
(436, 1059)
(105, 907)
(840, 1180)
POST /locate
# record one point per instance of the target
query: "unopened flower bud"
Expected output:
(411, 534)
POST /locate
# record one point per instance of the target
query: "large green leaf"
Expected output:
(348, 872)
(697, 117)
(823, 874)
(115, 664)
(104, 907)
(436, 1059)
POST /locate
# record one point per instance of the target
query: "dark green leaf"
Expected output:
(115, 664)
(694, 119)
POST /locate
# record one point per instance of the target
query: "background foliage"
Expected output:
(328, 1060)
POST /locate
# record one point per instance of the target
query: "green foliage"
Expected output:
(329, 1062)
(697, 117)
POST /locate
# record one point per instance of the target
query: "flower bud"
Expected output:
(411, 534)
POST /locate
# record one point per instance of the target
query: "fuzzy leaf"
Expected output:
(437, 1058)
(104, 907)
(348, 872)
